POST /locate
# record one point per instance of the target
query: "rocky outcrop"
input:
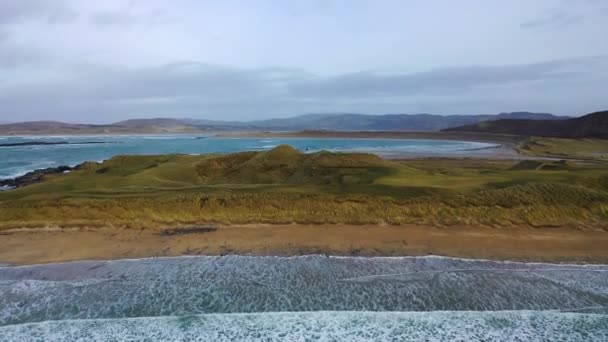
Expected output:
(43, 143)
(34, 176)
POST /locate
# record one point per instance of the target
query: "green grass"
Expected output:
(285, 186)
(590, 149)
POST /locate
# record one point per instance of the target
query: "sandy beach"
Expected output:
(46, 245)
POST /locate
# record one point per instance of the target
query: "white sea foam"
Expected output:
(230, 284)
(326, 326)
(15, 172)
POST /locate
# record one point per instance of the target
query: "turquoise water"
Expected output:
(304, 298)
(18, 160)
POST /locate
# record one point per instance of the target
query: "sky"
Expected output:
(104, 61)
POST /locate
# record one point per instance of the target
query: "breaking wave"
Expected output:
(247, 284)
(326, 326)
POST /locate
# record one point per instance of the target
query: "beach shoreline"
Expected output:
(505, 147)
(51, 245)
(428, 135)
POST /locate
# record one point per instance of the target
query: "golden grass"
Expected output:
(286, 186)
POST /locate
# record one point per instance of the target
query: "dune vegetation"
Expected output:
(284, 185)
(589, 149)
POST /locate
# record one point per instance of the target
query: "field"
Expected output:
(284, 186)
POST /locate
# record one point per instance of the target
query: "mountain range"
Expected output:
(365, 122)
(330, 122)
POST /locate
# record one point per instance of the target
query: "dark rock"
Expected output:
(34, 176)
(187, 230)
(35, 143)
(43, 143)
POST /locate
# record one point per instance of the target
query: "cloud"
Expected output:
(128, 17)
(553, 20)
(184, 87)
(566, 14)
(112, 18)
(12, 56)
(201, 90)
(434, 81)
(12, 11)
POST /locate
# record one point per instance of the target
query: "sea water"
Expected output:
(18, 160)
(316, 297)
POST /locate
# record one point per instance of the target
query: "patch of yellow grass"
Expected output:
(285, 186)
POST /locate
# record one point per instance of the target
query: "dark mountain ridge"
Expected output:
(594, 125)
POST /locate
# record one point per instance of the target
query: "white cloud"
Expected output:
(202, 90)
(107, 60)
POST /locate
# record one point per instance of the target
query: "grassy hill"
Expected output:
(594, 125)
(284, 186)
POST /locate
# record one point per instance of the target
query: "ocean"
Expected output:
(72, 150)
(304, 298)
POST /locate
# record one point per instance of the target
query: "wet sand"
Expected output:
(31, 246)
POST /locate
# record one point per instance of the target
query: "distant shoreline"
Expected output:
(432, 135)
(457, 136)
(506, 148)
(49, 245)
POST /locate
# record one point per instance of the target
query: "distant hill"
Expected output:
(156, 123)
(124, 127)
(594, 125)
(45, 127)
(330, 122)
(364, 122)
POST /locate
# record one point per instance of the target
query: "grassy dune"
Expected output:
(286, 186)
(590, 149)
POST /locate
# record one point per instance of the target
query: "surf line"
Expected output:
(582, 308)
(466, 270)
